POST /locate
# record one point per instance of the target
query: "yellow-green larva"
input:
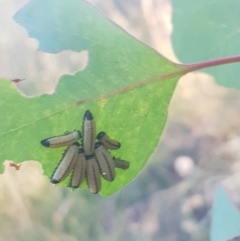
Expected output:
(66, 164)
(105, 162)
(107, 142)
(89, 132)
(121, 163)
(63, 140)
(93, 175)
(79, 170)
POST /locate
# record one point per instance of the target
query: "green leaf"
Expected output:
(208, 29)
(225, 218)
(110, 87)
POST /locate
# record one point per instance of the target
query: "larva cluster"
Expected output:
(89, 160)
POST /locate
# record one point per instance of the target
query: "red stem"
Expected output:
(234, 238)
(210, 63)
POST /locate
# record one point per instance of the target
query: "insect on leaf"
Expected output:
(126, 85)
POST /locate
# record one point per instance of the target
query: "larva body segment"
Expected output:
(79, 170)
(93, 175)
(66, 164)
(63, 140)
(89, 132)
(105, 162)
(108, 142)
(121, 163)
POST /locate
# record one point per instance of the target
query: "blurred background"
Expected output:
(171, 198)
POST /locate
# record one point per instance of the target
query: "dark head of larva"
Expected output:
(101, 135)
(54, 181)
(73, 187)
(89, 157)
(97, 144)
(88, 115)
(45, 142)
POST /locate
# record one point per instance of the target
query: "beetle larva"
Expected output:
(105, 162)
(66, 164)
(107, 142)
(121, 163)
(79, 170)
(63, 140)
(93, 175)
(89, 132)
